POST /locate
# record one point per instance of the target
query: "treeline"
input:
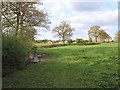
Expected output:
(64, 31)
(67, 44)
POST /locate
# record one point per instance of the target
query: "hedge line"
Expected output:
(57, 45)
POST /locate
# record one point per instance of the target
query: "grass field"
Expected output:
(90, 66)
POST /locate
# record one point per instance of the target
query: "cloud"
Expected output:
(83, 19)
(85, 6)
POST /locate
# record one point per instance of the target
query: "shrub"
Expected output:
(70, 41)
(79, 41)
(14, 53)
(86, 41)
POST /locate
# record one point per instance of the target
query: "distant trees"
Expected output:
(64, 31)
(98, 34)
(79, 40)
(117, 36)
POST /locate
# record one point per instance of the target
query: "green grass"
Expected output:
(90, 66)
(41, 44)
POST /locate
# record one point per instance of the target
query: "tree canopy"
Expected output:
(22, 17)
(98, 34)
(64, 31)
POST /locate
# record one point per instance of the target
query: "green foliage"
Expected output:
(85, 41)
(42, 41)
(14, 53)
(70, 41)
(58, 45)
(79, 41)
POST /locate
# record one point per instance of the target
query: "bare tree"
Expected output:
(64, 31)
(94, 32)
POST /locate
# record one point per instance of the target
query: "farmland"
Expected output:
(87, 66)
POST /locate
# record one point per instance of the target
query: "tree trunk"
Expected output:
(18, 16)
(96, 39)
(63, 40)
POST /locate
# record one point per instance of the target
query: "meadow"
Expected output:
(74, 66)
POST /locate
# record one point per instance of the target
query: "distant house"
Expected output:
(74, 42)
(50, 42)
(61, 42)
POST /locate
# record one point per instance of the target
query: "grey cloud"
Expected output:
(86, 6)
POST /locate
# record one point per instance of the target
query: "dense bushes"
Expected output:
(14, 53)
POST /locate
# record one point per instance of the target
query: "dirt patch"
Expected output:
(43, 56)
(42, 61)
(38, 58)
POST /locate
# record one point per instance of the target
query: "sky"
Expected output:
(81, 15)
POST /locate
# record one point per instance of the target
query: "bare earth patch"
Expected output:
(42, 60)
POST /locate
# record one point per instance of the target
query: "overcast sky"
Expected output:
(81, 15)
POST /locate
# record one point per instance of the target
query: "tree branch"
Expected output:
(9, 21)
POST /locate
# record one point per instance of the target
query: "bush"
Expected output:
(85, 41)
(14, 53)
(79, 41)
(70, 41)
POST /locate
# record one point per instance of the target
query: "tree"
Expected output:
(79, 40)
(117, 36)
(94, 32)
(98, 34)
(70, 41)
(103, 36)
(22, 18)
(64, 31)
(90, 39)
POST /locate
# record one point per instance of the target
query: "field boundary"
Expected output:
(58, 45)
